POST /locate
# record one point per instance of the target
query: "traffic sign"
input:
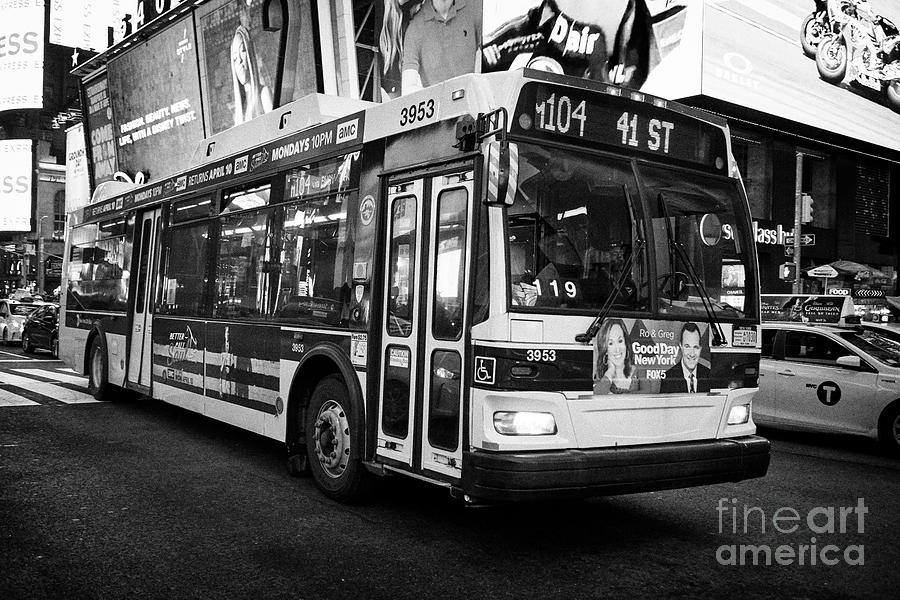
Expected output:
(806, 239)
(868, 293)
(823, 271)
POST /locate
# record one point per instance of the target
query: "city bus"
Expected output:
(453, 286)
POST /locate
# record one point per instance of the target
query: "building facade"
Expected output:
(824, 153)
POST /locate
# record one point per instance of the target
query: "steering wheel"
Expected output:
(677, 282)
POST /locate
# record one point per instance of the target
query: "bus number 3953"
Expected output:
(541, 355)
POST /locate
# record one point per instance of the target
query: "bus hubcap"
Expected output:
(96, 368)
(333, 438)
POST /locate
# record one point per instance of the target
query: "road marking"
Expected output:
(10, 399)
(51, 390)
(28, 360)
(55, 375)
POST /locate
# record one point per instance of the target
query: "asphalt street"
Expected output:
(144, 500)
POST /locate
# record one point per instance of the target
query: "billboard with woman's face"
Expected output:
(239, 59)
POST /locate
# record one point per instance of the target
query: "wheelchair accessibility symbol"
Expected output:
(484, 369)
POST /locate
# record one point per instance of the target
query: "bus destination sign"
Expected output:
(617, 122)
(301, 147)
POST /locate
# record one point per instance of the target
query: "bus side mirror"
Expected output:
(503, 173)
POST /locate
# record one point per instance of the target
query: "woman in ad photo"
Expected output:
(614, 370)
(251, 98)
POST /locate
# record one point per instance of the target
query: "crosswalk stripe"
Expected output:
(10, 399)
(52, 391)
(55, 375)
(27, 393)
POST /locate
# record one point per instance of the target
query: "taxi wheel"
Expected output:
(889, 429)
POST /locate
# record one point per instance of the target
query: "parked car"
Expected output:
(41, 330)
(830, 378)
(12, 319)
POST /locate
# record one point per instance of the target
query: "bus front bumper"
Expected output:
(543, 475)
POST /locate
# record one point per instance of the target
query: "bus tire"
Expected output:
(889, 428)
(333, 428)
(98, 371)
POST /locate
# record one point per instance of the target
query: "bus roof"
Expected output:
(318, 125)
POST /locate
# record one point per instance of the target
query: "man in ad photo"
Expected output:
(688, 375)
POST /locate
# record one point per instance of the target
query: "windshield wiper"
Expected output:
(638, 247)
(677, 248)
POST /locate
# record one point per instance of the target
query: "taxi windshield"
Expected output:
(23, 310)
(876, 345)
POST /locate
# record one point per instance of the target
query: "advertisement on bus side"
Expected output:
(647, 356)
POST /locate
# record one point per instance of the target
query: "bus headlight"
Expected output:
(738, 415)
(524, 423)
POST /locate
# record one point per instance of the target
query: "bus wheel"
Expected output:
(98, 372)
(333, 457)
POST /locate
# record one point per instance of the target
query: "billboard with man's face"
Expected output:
(651, 45)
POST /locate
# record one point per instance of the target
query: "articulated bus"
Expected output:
(517, 286)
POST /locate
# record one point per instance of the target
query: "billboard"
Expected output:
(16, 184)
(753, 57)
(21, 54)
(100, 128)
(78, 188)
(154, 90)
(240, 62)
(81, 23)
(651, 45)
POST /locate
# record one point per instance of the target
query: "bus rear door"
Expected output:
(139, 350)
(420, 421)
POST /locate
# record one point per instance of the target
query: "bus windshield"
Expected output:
(576, 237)
(702, 243)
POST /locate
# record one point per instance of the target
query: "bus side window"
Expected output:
(449, 292)
(402, 266)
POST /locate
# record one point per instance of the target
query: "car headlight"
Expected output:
(738, 415)
(524, 423)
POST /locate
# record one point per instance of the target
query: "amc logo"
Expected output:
(347, 131)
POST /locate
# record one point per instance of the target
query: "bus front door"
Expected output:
(420, 421)
(139, 345)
